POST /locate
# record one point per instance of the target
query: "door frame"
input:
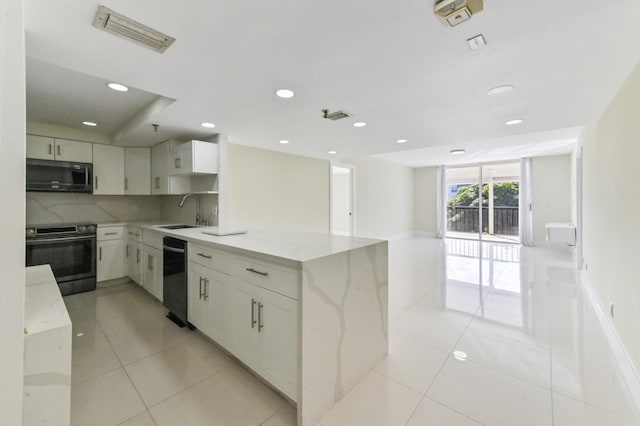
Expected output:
(352, 194)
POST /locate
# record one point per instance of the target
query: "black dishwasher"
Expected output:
(174, 273)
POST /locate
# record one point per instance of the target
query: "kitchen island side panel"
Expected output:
(343, 327)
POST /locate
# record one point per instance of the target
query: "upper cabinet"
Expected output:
(46, 148)
(195, 157)
(108, 170)
(160, 167)
(137, 171)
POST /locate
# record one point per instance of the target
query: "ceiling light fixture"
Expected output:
(460, 356)
(513, 122)
(457, 151)
(208, 125)
(500, 90)
(283, 142)
(401, 141)
(118, 87)
(477, 42)
(359, 124)
(90, 123)
(332, 152)
(285, 93)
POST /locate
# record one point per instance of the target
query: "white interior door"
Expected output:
(342, 199)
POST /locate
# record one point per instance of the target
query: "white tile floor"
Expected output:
(524, 348)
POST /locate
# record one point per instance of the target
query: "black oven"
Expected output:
(69, 249)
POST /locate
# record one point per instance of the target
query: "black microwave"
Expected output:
(59, 176)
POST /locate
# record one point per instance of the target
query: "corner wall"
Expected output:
(384, 198)
(12, 174)
(425, 195)
(269, 189)
(611, 228)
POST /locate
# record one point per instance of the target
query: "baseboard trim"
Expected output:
(622, 359)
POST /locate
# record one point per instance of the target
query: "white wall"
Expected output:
(384, 198)
(551, 193)
(12, 152)
(425, 194)
(611, 227)
(275, 190)
(341, 197)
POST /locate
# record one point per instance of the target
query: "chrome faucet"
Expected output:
(197, 205)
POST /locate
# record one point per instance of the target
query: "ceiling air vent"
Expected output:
(336, 115)
(114, 23)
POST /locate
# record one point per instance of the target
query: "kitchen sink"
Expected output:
(180, 226)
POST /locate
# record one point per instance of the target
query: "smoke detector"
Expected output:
(336, 115)
(454, 12)
(120, 25)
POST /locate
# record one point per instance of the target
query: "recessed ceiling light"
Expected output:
(401, 141)
(500, 90)
(457, 151)
(283, 142)
(208, 125)
(90, 123)
(460, 356)
(513, 122)
(285, 93)
(118, 87)
(332, 152)
(359, 124)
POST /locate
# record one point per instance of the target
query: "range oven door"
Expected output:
(72, 260)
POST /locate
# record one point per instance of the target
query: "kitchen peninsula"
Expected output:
(306, 312)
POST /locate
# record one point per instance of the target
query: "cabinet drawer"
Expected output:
(110, 233)
(277, 278)
(209, 257)
(152, 239)
(134, 233)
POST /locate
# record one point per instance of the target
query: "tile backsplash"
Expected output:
(44, 208)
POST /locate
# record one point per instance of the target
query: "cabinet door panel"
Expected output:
(108, 169)
(198, 302)
(40, 147)
(68, 150)
(221, 320)
(134, 261)
(280, 327)
(111, 260)
(152, 275)
(137, 169)
(246, 342)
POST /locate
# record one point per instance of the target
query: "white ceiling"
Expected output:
(391, 64)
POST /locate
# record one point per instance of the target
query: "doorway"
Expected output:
(342, 217)
(482, 202)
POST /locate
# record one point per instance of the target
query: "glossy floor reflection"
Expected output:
(523, 348)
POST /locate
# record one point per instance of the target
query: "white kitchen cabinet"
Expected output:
(111, 260)
(194, 157)
(160, 167)
(108, 170)
(265, 334)
(134, 254)
(198, 300)
(137, 171)
(152, 275)
(48, 148)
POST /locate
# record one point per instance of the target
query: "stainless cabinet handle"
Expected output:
(206, 289)
(178, 163)
(200, 290)
(100, 253)
(96, 179)
(150, 262)
(264, 274)
(110, 233)
(126, 184)
(50, 149)
(157, 182)
(260, 325)
(127, 255)
(137, 255)
(253, 320)
(204, 255)
(59, 150)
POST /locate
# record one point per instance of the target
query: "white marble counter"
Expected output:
(47, 350)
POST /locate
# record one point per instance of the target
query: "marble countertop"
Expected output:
(44, 307)
(283, 245)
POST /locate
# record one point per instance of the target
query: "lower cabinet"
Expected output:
(134, 260)
(266, 334)
(110, 262)
(152, 271)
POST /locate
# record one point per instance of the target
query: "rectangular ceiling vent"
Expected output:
(115, 23)
(336, 115)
